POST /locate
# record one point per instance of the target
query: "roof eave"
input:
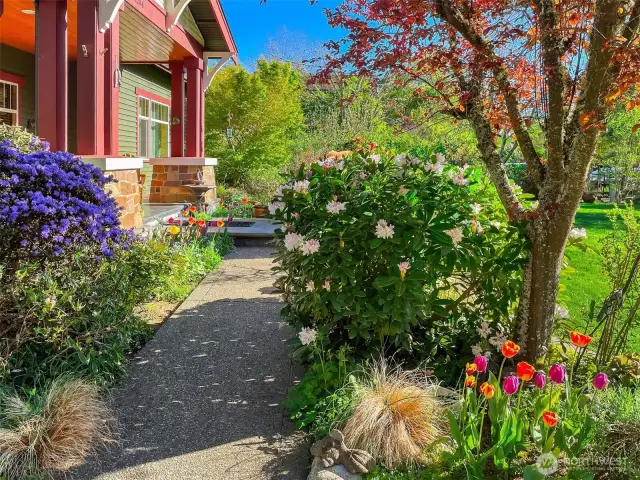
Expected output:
(218, 11)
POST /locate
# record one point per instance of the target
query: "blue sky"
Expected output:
(253, 24)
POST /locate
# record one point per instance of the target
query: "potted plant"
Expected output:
(259, 210)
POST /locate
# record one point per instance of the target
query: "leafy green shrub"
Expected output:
(320, 400)
(625, 370)
(388, 252)
(24, 141)
(80, 316)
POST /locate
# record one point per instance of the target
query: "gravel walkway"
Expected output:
(204, 398)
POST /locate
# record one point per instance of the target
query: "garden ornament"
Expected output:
(332, 450)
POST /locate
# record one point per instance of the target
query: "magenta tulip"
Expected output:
(540, 380)
(557, 373)
(511, 385)
(481, 363)
(600, 381)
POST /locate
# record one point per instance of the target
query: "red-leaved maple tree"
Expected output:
(556, 65)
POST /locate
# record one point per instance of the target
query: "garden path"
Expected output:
(204, 398)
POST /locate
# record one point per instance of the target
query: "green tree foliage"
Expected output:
(265, 111)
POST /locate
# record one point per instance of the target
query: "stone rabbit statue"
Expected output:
(332, 451)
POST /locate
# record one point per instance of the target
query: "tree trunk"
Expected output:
(536, 310)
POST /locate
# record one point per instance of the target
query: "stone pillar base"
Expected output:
(126, 191)
(168, 183)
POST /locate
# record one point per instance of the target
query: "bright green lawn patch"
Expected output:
(588, 281)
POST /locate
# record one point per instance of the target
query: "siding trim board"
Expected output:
(152, 96)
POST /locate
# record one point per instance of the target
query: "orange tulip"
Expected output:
(471, 368)
(245, 200)
(192, 208)
(487, 390)
(201, 223)
(550, 419)
(470, 382)
(580, 340)
(510, 349)
(220, 223)
(185, 213)
(192, 220)
(525, 371)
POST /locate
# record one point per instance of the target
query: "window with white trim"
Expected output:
(8, 103)
(153, 129)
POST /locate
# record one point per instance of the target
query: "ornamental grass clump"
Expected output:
(54, 432)
(396, 416)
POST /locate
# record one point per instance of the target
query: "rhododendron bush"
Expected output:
(389, 251)
(51, 204)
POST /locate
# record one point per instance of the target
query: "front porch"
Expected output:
(120, 83)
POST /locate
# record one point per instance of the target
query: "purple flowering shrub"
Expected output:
(52, 204)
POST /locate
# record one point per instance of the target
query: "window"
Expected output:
(8, 103)
(153, 129)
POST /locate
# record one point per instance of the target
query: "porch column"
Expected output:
(177, 108)
(112, 88)
(52, 73)
(90, 89)
(194, 106)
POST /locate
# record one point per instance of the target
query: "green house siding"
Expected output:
(18, 62)
(146, 77)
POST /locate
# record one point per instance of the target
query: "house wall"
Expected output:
(147, 77)
(151, 79)
(18, 62)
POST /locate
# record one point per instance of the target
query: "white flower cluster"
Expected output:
(437, 167)
(577, 234)
(401, 160)
(476, 208)
(456, 234)
(275, 206)
(301, 186)
(293, 241)
(331, 162)
(336, 207)
(307, 336)
(561, 312)
(384, 229)
(310, 247)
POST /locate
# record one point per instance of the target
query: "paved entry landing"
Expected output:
(204, 398)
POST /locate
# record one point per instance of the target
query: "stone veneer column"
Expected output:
(126, 191)
(167, 183)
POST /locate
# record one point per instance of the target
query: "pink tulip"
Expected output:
(557, 373)
(171, 220)
(540, 380)
(511, 385)
(481, 363)
(600, 381)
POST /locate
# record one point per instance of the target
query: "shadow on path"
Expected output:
(204, 398)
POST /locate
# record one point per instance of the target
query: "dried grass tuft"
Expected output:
(56, 433)
(396, 416)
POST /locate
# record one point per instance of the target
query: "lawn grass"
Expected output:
(588, 281)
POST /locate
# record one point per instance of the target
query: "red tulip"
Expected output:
(525, 371)
(550, 419)
(510, 349)
(580, 340)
